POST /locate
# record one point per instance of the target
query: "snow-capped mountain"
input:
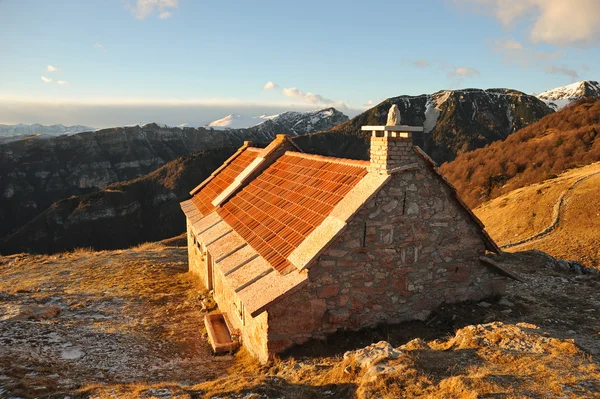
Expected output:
(291, 122)
(455, 121)
(560, 97)
(236, 121)
(37, 129)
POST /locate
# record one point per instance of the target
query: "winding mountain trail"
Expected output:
(560, 216)
(559, 208)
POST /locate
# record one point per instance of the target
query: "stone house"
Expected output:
(297, 246)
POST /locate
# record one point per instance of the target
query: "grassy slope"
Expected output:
(555, 143)
(528, 210)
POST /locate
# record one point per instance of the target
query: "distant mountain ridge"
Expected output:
(36, 173)
(560, 97)
(455, 121)
(292, 122)
(51, 130)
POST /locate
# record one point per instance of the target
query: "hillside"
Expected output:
(560, 216)
(555, 143)
(36, 172)
(123, 214)
(455, 121)
(129, 324)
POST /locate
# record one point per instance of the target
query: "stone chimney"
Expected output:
(391, 145)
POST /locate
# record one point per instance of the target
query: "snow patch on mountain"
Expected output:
(560, 97)
(235, 121)
(433, 108)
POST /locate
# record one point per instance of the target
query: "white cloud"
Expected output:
(311, 98)
(514, 52)
(49, 80)
(270, 86)
(369, 103)
(305, 97)
(100, 46)
(421, 63)
(144, 8)
(559, 22)
(463, 72)
(51, 68)
(563, 70)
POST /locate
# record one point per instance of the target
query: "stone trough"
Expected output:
(219, 333)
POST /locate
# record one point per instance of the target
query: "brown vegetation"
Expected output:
(526, 211)
(543, 150)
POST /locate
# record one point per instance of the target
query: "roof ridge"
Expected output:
(324, 158)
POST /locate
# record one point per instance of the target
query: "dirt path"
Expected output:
(559, 208)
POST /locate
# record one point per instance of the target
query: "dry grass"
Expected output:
(526, 211)
(148, 246)
(136, 314)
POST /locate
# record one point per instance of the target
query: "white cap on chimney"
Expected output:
(393, 123)
(393, 118)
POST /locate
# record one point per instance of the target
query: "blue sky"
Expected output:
(111, 62)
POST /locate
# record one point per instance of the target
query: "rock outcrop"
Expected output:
(123, 214)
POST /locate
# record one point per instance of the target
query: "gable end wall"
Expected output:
(420, 249)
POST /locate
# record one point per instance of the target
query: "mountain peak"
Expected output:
(562, 96)
(236, 121)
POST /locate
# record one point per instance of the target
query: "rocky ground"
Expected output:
(74, 319)
(128, 324)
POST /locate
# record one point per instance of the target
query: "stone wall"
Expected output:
(387, 153)
(196, 261)
(409, 249)
(252, 330)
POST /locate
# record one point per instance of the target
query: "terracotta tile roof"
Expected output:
(285, 203)
(203, 199)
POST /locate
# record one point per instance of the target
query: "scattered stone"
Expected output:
(571, 332)
(415, 344)
(484, 304)
(372, 354)
(38, 312)
(72, 354)
(505, 302)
